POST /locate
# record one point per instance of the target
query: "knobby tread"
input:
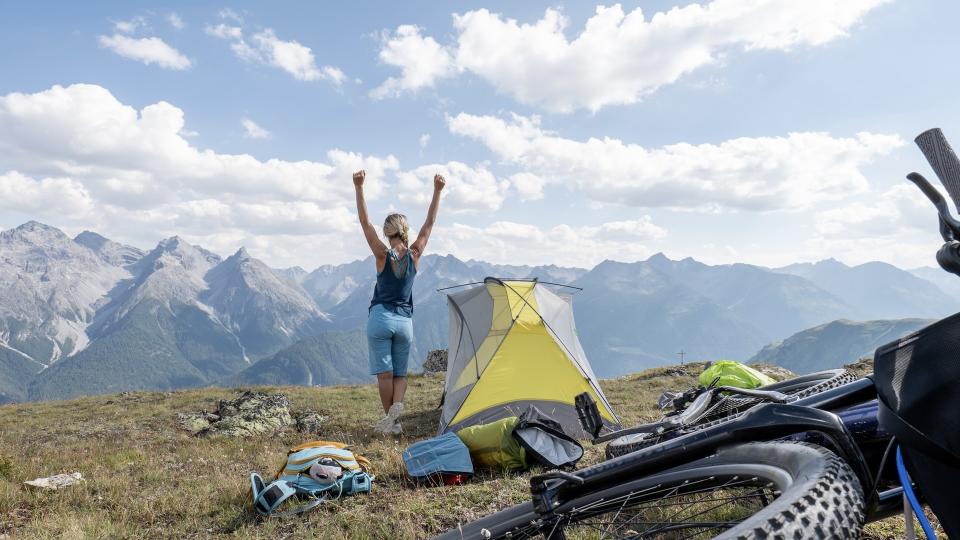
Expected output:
(832, 507)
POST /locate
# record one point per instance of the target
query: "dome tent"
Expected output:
(513, 343)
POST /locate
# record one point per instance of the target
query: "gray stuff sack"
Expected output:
(545, 441)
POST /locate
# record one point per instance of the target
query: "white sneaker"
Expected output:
(385, 425)
(397, 429)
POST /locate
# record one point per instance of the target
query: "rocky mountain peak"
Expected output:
(50, 287)
(111, 252)
(35, 233)
(241, 271)
(91, 240)
(191, 257)
(36, 226)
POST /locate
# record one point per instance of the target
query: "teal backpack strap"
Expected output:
(314, 502)
(267, 498)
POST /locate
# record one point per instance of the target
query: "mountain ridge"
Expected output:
(835, 343)
(179, 315)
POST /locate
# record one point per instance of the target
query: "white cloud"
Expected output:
(224, 31)
(253, 131)
(131, 25)
(290, 218)
(424, 140)
(528, 185)
(229, 14)
(421, 60)
(759, 173)
(152, 50)
(618, 57)
(266, 48)
(294, 58)
(886, 214)
(898, 225)
(468, 190)
(176, 21)
(50, 197)
(132, 173)
(519, 243)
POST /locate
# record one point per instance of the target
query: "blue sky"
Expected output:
(570, 132)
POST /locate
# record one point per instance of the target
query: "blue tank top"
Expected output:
(394, 289)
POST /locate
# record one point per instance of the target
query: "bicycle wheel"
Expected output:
(756, 490)
(729, 407)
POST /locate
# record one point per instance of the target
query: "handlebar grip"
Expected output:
(942, 158)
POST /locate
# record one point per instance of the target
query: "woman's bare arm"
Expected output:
(369, 231)
(420, 244)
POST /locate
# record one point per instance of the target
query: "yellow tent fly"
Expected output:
(513, 343)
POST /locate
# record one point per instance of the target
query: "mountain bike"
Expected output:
(766, 463)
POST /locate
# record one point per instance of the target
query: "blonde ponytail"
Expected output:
(396, 225)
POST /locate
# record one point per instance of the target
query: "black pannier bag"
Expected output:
(545, 441)
(918, 382)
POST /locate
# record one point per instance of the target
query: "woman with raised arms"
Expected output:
(389, 322)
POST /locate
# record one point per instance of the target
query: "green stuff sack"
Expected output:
(734, 374)
(492, 445)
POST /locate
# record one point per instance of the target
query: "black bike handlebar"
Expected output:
(949, 227)
(944, 161)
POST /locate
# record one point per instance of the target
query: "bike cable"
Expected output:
(912, 498)
(883, 463)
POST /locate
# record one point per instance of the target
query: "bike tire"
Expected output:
(729, 408)
(817, 495)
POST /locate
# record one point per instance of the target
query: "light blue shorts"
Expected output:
(389, 336)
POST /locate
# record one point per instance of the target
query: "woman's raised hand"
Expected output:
(358, 177)
(438, 182)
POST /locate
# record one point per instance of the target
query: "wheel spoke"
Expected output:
(660, 509)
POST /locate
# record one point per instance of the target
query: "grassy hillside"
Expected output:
(835, 343)
(147, 479)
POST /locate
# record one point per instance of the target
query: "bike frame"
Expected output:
(843, 419)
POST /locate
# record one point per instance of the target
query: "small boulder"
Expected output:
(862, 367)
(195, 422)
(252, 413)
(436, 361)
(775, 372)
(58, 481)
(310, 422)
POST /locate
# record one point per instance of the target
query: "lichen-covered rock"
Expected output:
(310, 422)
(862, 367)
(252, 413)
(196, 422)
(436, 361)
(776, 373)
